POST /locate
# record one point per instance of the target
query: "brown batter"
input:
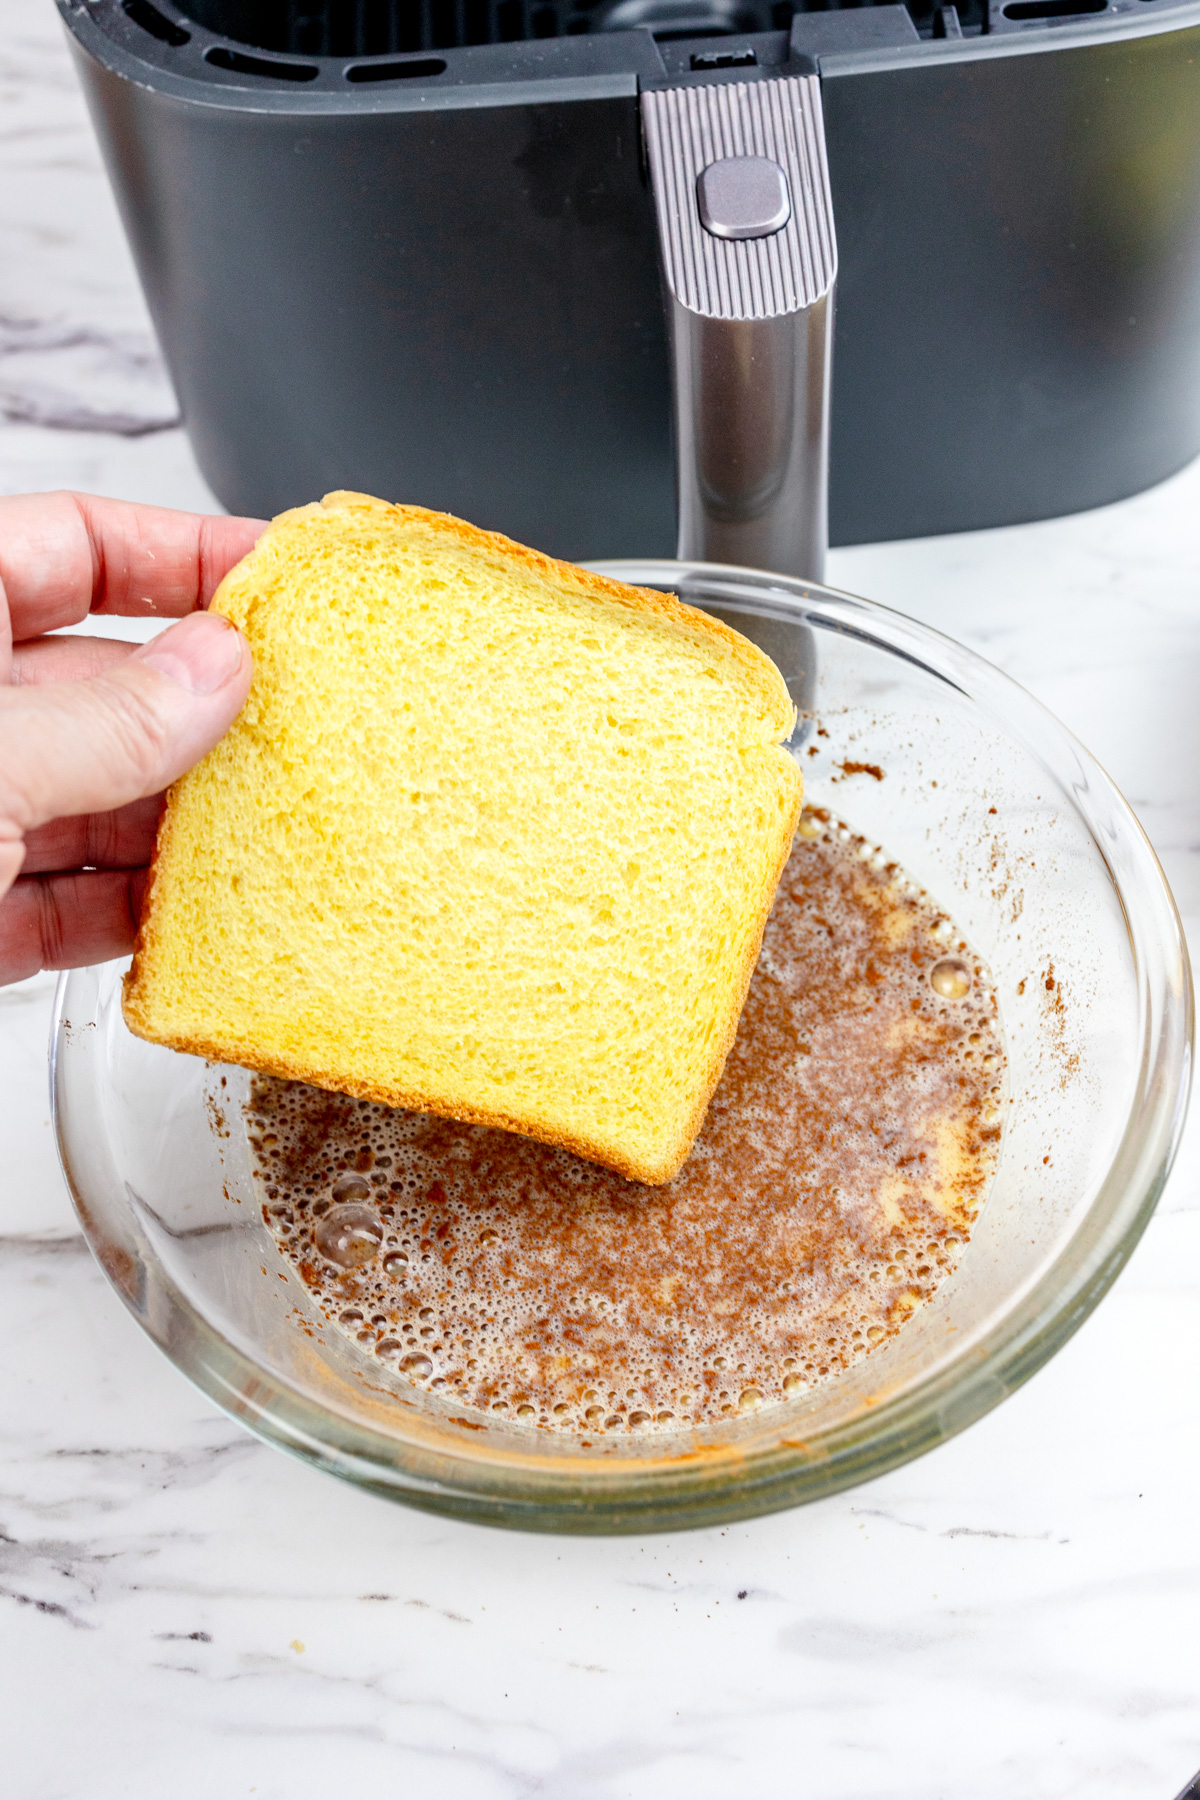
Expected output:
(843, 1161)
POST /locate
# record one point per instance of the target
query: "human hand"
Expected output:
(92, 730)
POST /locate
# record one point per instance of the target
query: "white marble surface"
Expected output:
(185, 1612)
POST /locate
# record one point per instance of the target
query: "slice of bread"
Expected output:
(493, 837)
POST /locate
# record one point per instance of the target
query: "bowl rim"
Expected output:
(660, 1494)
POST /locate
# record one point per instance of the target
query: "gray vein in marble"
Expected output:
(857, 1642)
(129, 1475)
(957, 1531)
(42, 406)
(52, 1562)
(442, 1728)
(43, 1243)
(1016, 1537)
(428, 1606)
(50, 1608)
(44, 364)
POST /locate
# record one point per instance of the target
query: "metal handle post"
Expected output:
(749, 259)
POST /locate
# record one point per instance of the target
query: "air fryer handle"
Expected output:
(749, 259)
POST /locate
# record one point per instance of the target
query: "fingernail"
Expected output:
(201, 652)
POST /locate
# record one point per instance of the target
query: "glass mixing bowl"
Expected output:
(1013, 828)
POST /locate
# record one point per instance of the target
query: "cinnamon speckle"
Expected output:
(850, 767)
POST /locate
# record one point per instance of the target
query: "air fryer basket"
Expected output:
(410, 246)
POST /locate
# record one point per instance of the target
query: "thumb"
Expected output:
(88, 746)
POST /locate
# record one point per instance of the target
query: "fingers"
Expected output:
(92, 731)
(75, 747)
(63, 555)
(123, 839)
(67, 921)
(66, 659)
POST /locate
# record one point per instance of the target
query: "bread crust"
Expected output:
(415, 1100)
(584, 582)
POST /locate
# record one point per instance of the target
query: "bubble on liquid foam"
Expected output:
(846, 1153)
(950, 978)
(348, 1235)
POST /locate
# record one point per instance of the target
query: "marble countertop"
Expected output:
(184, 1611)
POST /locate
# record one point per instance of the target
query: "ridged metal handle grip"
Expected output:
(745, 223)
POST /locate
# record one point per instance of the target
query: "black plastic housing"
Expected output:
(426, 267)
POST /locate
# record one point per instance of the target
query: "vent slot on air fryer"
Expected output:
(1023, 10)
(390, 27)
(240, 64)
(157, 23)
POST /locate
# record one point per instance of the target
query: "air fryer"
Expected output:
(457, 252)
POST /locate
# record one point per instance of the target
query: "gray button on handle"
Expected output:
(743, 197)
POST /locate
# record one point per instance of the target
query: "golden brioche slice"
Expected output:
(493, 837)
